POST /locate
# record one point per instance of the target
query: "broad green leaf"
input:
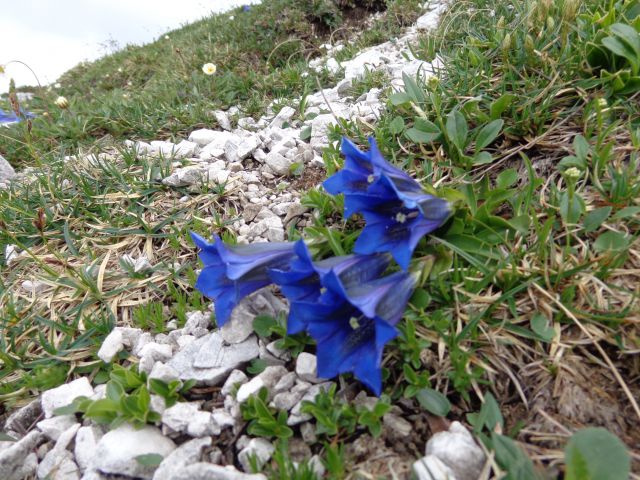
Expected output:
(628, 35)
(595, 218)
(626, 213)
(500, 105)
(418, 136)
(572, 161)
(489, 415)
(595, 453)
(434, 402)
(414, 92)
(513, 459)
(488, 134)
(482, 158)
(399, 98)
(507, 178)
(150, 459)
(457, 129)
(263, 325)
(305, 133)
(623, 50)
(571, 207)
(397, 125)
(540, 325)
(581, 147)
(611, 241)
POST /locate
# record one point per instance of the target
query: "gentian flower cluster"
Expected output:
(347, 303)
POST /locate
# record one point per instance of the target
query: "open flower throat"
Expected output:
(350, 304)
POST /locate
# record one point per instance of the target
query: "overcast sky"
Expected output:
(51, 36)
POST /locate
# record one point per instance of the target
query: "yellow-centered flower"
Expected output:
(209, 68)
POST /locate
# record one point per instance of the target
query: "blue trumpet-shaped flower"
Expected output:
(232, 273)
(352, 323)
(397, 212)
(301, 281)
(13, 118)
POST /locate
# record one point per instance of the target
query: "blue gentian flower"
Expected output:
(232, 273)
(8, 117)
(13, 118)
(301, 281)
(352, 323)
(246, 8)
(397, 212)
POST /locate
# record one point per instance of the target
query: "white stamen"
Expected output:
(322, 290)
(401, 217)
(353, 322)
(371, 178)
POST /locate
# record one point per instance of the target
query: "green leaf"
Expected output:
(114, 391)
(397, 125)
(513, 459)
(500, 105)
(457, 129)
(572, 161)
(150, 459)
(540, 326)
(571, 207)
(623, 50)
(595, 218)
(482, 158)
(611, 241)
(595, 453)
(628, 35)
(488, 134)
(6, 438)
(305, 133)
(434, 402)
(581, 147)
(399, 98)
(423, 131)
(257, 366)
(626, 213)
(489, 415)
(506, 178)
(263, 325)
(414, 92)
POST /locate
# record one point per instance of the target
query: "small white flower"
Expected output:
(166, 37)
(62, 102)
(119, 69)
(57, 85)
(573, 173)
(231, 17)
(130, 83)
(209, 68)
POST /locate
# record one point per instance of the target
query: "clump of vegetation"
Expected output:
(526, 325)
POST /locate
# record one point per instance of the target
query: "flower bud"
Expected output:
(572, 173)
(62, 102)
(506, 43)
(551, 23)
(529, 46)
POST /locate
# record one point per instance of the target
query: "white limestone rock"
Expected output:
(208, 360)
(186, 454)
(306, 367)
(457, 449)
(65, 394)
(260, 449)
(432, 468)
(85, 445)
(208, 471)
(117, 450)
(111, 346)
(54, 426)
(186, 417)
(236, 379)
(223, 119)
(17, 461)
